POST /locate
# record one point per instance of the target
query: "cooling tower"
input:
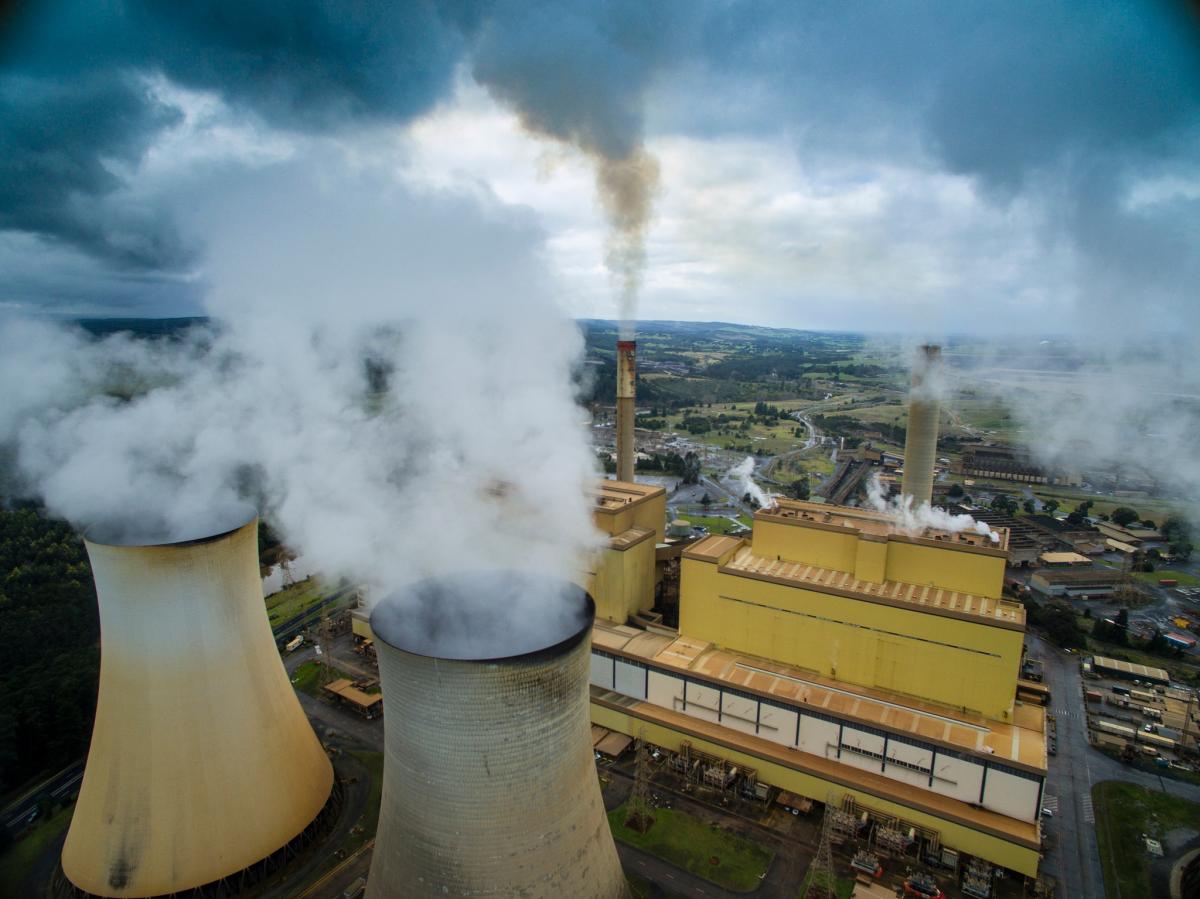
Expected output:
(626, 393)
(920, 443)
(202, 761)
(489, 783)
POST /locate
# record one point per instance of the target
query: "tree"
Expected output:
(706, 501)
(955, 491)
(691, 468)
(1080, 513)
(1123, 515)
(1005, 505)
(1030, 506)
(800, 488)
(1058, 620)
(1049, 506)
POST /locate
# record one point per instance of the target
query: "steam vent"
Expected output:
(202, 762)
(920, 442)
(489, 782)
(626, 409)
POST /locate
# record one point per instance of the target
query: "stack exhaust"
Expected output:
(202, 762)
(920, 442)
(489, 783)
(626, 400)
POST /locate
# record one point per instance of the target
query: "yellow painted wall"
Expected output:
(966, 572)
(648, 513)
(956, 836)
(623, 582)
(813, 546)
(912, 563)
(946, 660)
(871, 562)
(652, 514)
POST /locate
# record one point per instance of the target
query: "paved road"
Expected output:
(59, 788)
(1074, 855)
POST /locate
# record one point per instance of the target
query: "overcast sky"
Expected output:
(900, 166)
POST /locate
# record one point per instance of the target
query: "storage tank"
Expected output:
(489, 782)
(920, 441)
(202, 762)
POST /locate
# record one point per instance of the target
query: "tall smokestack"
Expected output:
(920, 442)
(626, 399)
(202, 762)
(489, 786)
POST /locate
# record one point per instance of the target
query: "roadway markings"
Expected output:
(1089, 814)
(1051, 803)
(1063, 713)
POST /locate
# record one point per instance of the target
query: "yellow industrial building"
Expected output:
(837, 656)
(622, 576)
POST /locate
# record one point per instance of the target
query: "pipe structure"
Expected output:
(920, 441)
(489, 782)
(626, 400)
(202, 762)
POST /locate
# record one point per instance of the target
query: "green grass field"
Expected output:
(293, 600)
(690, 844)
(16, 863)
(1153, 577)
(373, 761)
(307, 677)
(1124, 812)
(842, 886)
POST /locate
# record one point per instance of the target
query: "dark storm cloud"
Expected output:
(75, 105)
(1069, 103)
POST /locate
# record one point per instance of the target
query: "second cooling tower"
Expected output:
(489, 786)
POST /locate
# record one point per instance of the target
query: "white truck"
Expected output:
(295, 643)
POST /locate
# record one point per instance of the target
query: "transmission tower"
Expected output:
(638, 817)
(285, 568)
(324, 638)
(820, 881)
(1128, 591)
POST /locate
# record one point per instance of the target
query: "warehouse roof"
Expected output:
(734, 557)
(1128, 668)
(1022, 742)
(347, 691)
(1064, 559)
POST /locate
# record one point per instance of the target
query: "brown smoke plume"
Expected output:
(626, 188)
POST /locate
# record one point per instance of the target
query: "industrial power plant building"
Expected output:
(838, 656)
(202, 764)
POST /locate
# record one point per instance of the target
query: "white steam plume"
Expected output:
(913, 520)
(406, 414)
(742, 475)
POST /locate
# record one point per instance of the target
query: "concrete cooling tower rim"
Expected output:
(485, 616)
(148, 531)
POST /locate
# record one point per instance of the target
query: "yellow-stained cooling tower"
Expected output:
(202, 761)
(626, 409)
(920, 442)
(489, 781)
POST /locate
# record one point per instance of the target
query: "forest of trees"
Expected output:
(49, 644)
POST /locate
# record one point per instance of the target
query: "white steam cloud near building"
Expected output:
(422, 388)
